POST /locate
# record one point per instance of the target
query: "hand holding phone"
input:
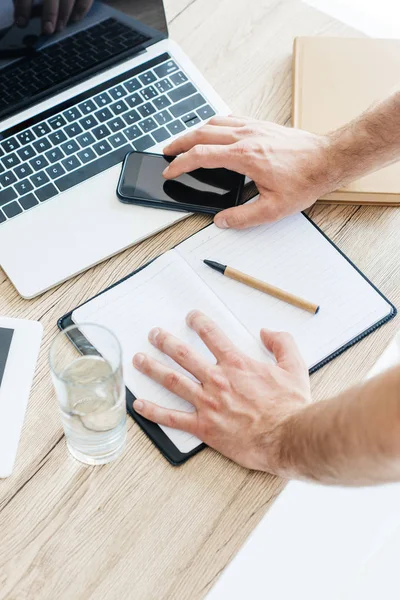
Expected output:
(204, 190)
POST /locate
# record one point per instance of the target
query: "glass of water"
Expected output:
(90, 391)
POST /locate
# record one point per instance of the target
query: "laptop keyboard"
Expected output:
(54, 66)
(92, 132)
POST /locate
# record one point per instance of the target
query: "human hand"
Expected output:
(241, 404)
(289, 166)
(55, 13)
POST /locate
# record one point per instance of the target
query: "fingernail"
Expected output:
(138, 405)
(138, 360)
(60, 26)
(153, 335)
(221, 223)
(48, 27)
(165, 172)
(21, 22)
(191, 316)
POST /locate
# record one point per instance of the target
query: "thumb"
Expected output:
(285, 350)
(262, 210)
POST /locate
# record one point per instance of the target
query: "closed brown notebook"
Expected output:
(334, 80)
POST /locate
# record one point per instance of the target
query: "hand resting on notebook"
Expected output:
(55, 13)
(291, 168)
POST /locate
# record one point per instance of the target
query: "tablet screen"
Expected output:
(5, 343)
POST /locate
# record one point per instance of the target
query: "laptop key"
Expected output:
(117, 124)
(23, 187)
(86, 155)
(57, 122)
(55, 171)
(147, 109)
(205, 112)
(102, 99)
(10, 145)
(117, 140)
(12, 210)
(117, 92)
(134, 100)
(28, 201)
(87, 107)
(89, 122)
(103, 114)
(86, 139)
(132, 117)
(147, 77)
(41, 129)
(178, 78)
(7, 195)
(23, 171)
(42, 145)
(47, 192)
(182, 91)
(11, 160)
(70, 147)
(148, 125)
(26, 153)
(25, 137)
(176, 127)
(163, 117)
(54, 155)
(187, 105)
(163, 86)
(161, 134)
(101, 132)
(72, 114)
(119, 107)
(7, 178)
(2, 217)
(133, 132)
(73, 130)
(133, 85)
(161, 102)
(149, 92)
(57, 137)
(166, 68)
(92, 168)
(39, 179)
(144, 143)
(70, 163)
(39, 162)
(102, 148)
(192, 122)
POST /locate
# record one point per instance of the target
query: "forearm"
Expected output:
(366, 144)
(353, 439)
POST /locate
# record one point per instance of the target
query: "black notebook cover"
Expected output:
(154, 432)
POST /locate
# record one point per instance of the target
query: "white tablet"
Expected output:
(19, 349)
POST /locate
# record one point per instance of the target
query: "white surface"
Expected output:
(16, 385)
(376, 18)
(321, 542)
(87, 224)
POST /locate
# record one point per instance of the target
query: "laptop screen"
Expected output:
(47, 45)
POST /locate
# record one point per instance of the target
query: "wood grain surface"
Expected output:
(141, 529)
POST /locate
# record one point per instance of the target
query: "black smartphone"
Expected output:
(203, 190)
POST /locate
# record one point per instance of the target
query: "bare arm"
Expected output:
(291, 168)
(259, 414)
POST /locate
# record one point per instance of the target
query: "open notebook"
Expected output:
(292, 254)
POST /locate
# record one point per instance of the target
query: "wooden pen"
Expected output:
(262, 286)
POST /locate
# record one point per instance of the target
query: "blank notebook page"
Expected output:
(293, 255)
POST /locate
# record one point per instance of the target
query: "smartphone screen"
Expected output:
(142, 179)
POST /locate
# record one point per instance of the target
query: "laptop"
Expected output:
(72, 104)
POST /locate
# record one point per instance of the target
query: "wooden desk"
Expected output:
(141, 529)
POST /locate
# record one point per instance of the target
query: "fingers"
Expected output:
(81, 9)
(175, 382)
(207, 157)
(262, 210)
(64, 14)
(22, 12)
(205, 135)
(49, 16)
(177, 419)
(213, 337)
(180, 352)
(285, 350)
